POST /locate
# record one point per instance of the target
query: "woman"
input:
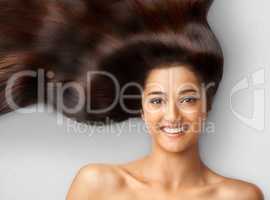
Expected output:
(166, 47)
(173, 111)
(179, 72)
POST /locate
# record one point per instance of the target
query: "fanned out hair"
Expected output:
(126, 38)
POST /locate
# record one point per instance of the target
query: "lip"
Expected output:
(170, 126)
(184, 126)
(176, 135)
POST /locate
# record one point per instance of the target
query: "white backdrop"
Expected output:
(39, 158)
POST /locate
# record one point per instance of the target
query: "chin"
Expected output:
(176, 143)
(174, 148)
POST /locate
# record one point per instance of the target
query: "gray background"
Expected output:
(39, 158)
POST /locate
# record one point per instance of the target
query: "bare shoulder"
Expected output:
(241, 190)
(101, 175)
(95, 179)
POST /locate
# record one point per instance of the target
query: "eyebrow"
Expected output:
(163, 93)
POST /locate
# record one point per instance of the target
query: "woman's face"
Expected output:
(173, 106)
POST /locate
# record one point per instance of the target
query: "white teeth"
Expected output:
(173, 130)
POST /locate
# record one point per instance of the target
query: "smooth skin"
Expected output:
(173, 169)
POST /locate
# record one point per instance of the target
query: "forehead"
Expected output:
(173, 77)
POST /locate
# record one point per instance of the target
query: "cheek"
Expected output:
(194, 121)
(190, 109)
(152, 120)
(193, 117)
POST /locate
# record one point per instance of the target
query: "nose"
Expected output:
(172, 112)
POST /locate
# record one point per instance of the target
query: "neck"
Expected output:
(175, 169)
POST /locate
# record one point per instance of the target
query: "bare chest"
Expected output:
(156, 195)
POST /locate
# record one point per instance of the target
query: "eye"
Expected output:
(189, 100)
(156, 101)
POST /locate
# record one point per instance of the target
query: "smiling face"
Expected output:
(173, 107)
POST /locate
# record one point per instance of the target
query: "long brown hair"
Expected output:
(125, 38)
